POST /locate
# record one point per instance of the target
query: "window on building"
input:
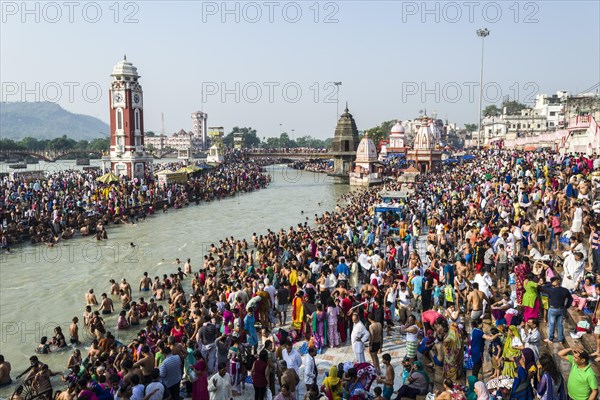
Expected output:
(539, 126)
(552, 113)
(137, 119)
(346, 145)
(119, 118)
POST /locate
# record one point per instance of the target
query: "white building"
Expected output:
(181, 140)
(367, 169)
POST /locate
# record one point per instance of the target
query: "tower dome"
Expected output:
(366, 152)
(126, 69)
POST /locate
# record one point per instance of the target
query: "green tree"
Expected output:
(381, 131)
(470, 128)
(9, 144)
(250, 137)
(99, 144)
(513, 107)
(492, 110)
(273, 142)
(285, 141)
(31, 143)
(149, 134)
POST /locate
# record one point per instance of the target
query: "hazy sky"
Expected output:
(263, 64)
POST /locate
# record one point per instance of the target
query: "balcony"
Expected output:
(580, 122)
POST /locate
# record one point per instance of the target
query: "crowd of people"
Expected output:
(510, 244)
(70, 203)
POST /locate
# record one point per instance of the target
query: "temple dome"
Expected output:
(366, 152)
(426, 137)
(397, 129)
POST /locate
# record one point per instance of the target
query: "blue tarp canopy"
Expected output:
(468, 157)
(451, 161)
(386, 209)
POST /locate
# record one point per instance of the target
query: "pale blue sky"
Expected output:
(384, 53)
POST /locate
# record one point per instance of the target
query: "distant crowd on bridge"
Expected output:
(295, 150)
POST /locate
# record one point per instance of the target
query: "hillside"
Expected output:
(46, 120)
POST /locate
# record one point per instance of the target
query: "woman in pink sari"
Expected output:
(586, 295)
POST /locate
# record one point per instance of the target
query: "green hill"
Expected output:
(44, 120)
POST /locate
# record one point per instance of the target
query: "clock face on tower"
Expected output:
(118, 97)
(136, 98)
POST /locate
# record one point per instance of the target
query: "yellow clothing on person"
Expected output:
(333, 384)
(509, 352)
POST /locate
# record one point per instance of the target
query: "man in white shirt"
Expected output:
(364, 260)
(359, 338)
(310, 368)
(219, 385)
(137, 389)
(155, 389)
(271, 290)
(292, 357)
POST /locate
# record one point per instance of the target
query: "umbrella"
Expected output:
(530, 148)
(108, 178)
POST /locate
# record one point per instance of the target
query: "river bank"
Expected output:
(31, 307)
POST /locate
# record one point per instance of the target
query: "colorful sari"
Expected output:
(509, 352)
(297, 313)
(453, 354)
(319, 328)
(531, 302)
(521, 272)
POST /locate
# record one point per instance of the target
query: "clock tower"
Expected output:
(127, 156)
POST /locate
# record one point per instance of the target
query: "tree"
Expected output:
(149, 134)
(513, 107)
(381, 131)
(31, 143)
(99, 144)
(492, 110)
(284, 140)
(470, 128)
(250, 138)
(273, 142)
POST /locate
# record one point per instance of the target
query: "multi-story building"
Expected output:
(564, 123)
(181, 140)
(199, 127)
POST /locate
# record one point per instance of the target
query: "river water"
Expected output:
(41, 288)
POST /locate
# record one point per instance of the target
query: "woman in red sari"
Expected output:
(522, 270)
(200, 385)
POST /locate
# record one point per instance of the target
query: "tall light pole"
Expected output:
(337, 100)
(482, 33)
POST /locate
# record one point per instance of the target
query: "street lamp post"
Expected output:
(482, 33)
(337, 100)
